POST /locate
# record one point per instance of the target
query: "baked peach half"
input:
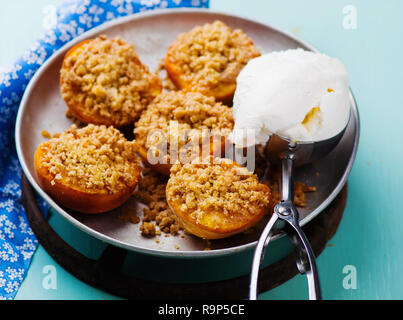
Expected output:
(90, 170)
(216, 199)
(104, 82)
(209, 58)
(182, 125)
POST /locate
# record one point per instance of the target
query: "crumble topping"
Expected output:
(106, 78)
(46, 134)
(94, 158)
(151, 191)
(211, 54)
(183, 118)
(147, 229)
(128, 213)
(219, 186)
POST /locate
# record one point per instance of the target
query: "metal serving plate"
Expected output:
(42, 108)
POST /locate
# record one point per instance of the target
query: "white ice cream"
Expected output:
(298, 94)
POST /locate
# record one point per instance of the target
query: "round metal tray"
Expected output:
(151, 33)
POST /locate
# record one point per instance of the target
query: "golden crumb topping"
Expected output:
(211, 54)
(106, 78)
(218, 186)
(94, 159)
(182, 118)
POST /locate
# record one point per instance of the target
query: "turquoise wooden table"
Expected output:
(364, 258)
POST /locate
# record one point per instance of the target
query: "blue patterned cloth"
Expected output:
(17, 242)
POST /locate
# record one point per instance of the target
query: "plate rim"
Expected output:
(155, 252)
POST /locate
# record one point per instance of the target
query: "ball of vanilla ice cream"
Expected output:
(297, 94)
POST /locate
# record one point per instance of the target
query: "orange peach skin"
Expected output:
(76, 199)
(78, 111)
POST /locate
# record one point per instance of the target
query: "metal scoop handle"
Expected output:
(286, 218)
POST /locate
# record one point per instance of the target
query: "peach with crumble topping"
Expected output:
(104, 82)
(209, 58)
(93, 169)
(216, 198)
(183, 123)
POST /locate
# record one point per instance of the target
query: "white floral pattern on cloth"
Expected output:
(17, 241)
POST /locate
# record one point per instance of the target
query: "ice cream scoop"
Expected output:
(297, 94)
(280, 133)
(286, 217)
